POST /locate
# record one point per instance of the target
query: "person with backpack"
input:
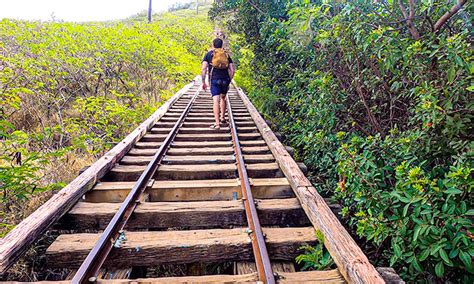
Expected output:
(218, 64)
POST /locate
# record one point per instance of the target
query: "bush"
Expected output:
(379, 106)
(70, 91)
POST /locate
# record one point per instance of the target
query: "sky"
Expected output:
(78, 10)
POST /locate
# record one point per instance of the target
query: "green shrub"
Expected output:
(315, 257)
(377, 109)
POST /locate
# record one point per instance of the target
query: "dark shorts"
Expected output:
(219, 86)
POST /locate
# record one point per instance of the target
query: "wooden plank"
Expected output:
(329, 276)
(195, 190)
(203, 137)
(249, 136)
(197, 159)
(174, 172)
(31, 228)
(351, 261)
(183, 160)
(245, 267)
(188, 172)
(158, 247)
(197, 214)
(200, 151)
(193, 130)
(264, 170)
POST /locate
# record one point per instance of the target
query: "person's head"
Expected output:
(217, 43)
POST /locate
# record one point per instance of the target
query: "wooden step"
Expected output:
(264, 170)
(195, 190)
(203, 137)
(149, 137)
(197, 214)
(205, 124)
(188, 172)
(218, 151)
(182, 160)
(197, 159)
(175, 172)
(200, 151)
(195, 130)
(158, 247)
(249, 136)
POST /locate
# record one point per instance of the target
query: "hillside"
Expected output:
(70, 91)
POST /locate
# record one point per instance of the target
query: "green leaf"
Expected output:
(397, 250)
(417, 232)
(453, 191)
(439, 269)
(444, 255)
(465, 258)
(451, 74)
(424, 254)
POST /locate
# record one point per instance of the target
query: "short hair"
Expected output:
(217, 43)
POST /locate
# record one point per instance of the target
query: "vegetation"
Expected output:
(377, 98)
(69, 92)
(316, 257)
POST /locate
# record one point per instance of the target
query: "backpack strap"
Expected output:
(212, 67)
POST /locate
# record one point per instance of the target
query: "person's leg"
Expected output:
(223, 106)
(215, 108)
(215, 91)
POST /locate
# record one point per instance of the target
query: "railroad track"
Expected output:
(176, 193)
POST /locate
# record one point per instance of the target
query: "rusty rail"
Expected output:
(262, 261)
(89, 269)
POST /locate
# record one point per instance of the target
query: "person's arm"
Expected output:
(231, 71)
(204, 68)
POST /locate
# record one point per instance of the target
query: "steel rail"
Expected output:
(262, 261)
(89, 269)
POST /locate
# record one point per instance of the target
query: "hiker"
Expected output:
(218, 64)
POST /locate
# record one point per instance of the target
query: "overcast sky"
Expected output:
(78, 10)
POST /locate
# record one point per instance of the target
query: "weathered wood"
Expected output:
(389, 275)
(189, 130)
(192, 190)
(191, 172)
(31, 228)
(200, 151)
(351, 261)
(197, 214)
(183, 160)
(203, 137)
(245, 267)
(264, 170)
(197, 159)
(157, 247)
(330, 277)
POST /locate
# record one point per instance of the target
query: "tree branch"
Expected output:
(441, 21)
(409, 17)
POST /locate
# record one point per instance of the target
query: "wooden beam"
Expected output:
(200, 214)
(329, 276)
(192, 190)
(158, 247)
(351, 261)
(31, 228)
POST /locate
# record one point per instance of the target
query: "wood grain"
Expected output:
(200, 214)
(157, 247)
(192, 190)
